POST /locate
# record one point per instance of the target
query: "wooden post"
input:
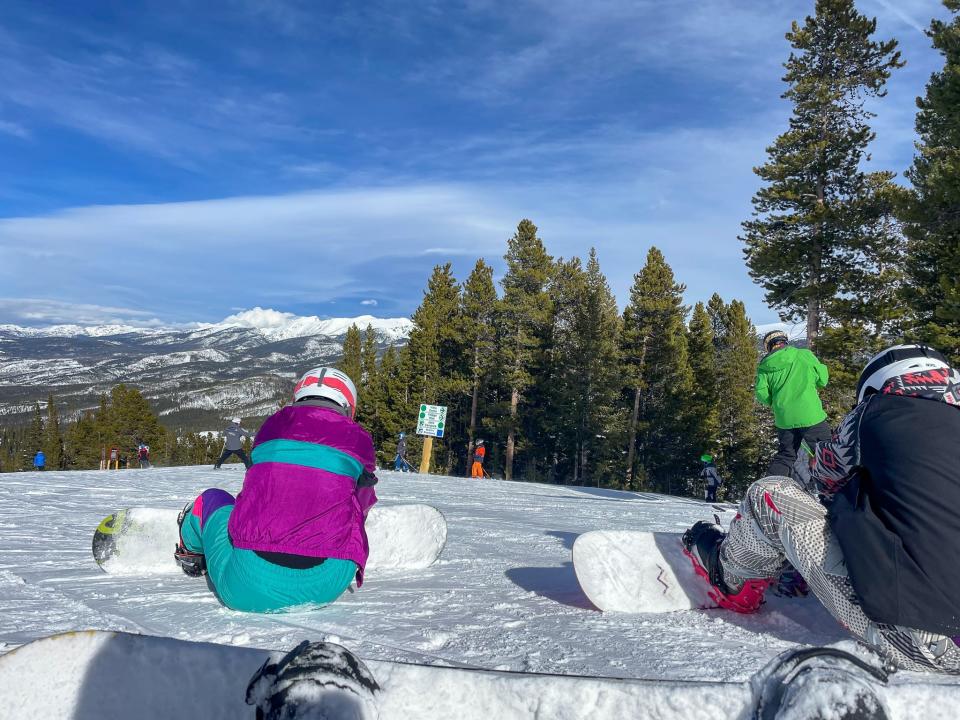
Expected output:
(427, 450)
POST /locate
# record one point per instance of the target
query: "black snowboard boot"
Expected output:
(819, 684)
(703, 542)
(314, 681)
(192, 564)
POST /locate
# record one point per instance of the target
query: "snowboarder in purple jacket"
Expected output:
(295, 533)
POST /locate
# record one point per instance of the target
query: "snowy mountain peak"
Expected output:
(272, 324)
(278, 325)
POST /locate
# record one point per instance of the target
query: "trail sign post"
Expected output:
(430, 423)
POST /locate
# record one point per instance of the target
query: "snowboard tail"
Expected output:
(638, 572)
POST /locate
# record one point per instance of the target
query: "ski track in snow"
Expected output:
(503, 594)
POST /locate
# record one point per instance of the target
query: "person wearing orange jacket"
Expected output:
(479, 453)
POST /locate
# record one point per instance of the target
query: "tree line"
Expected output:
(565, 388)
(122, 420)
(561, 385)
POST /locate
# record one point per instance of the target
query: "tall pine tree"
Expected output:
(53, 437)
(477, 307)
(660, 449)
(523, 319)
(820, 217)
(932, 212)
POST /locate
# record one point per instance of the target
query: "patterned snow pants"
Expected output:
(779, 521)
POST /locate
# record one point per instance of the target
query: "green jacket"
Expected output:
(787, 381)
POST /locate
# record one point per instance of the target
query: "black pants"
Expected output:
(711, 494)
(782, 463)
(239, 453)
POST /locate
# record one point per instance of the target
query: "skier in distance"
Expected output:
(233, 444)
(869, 518)
(711, 477)
(295, 533)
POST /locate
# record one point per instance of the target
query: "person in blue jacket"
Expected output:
(39, 460)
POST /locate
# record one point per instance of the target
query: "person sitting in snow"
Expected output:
(869, 518)
(295, 533)
(233, 444)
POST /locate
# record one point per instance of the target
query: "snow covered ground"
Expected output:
(503, 595)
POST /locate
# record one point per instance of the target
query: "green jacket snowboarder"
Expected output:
(788, 379)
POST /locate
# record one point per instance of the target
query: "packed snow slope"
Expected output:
(503, 594)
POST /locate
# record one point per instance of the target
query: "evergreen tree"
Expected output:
(740, 434)
(35, 436)
(703, 362)
(819, 218)
(352, 360)
(435, 348)
(477, 306)
(584, 368)
(53, 437)
(523, 318)
(932, 219)
(657, 366)
(367, 403)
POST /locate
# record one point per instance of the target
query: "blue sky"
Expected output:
(170, 161)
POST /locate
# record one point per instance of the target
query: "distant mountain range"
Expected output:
(195, 375)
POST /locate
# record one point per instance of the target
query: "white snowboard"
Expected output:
(638, 572)
(402, 537)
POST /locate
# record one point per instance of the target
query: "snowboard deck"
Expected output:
(638, 572)
(89, 675)
(140, 540)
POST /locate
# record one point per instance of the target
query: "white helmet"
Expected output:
(900, 360)
(330, 383)
(236, 421)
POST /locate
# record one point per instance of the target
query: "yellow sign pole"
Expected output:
(427, 450)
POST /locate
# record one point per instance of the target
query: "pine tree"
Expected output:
(53, 437)
(703, 362)
(584, 370)
(523, 318)
(35, 435)
(740, 435)
(367, 405)
(352, 360)
(931, 215)
(657, 368)
(435, 349)
(477, 306)
(820, 217)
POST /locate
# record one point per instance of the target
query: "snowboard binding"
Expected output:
(315, 681)
(192, 564)
(819, 684)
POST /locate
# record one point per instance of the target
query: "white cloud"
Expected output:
(15, 129)
(371, 302)
(41, 311)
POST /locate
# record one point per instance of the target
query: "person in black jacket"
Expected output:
(869, 518)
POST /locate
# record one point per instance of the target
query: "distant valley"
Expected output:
(194, 377)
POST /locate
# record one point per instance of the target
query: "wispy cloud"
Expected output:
(43, 311)
(15, 129)
(369, 302)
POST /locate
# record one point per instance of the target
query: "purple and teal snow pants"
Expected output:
(245, 581)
